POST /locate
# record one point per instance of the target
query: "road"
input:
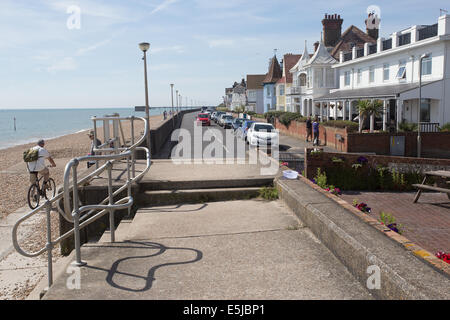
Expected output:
(214, 142)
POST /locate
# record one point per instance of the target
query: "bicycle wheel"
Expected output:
(33, 196)
(50, 190)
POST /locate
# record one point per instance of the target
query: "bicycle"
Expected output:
(35, 192)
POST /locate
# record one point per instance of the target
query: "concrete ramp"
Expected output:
(250, 249)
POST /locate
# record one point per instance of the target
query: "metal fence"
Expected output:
(428, 32)
(293, 160)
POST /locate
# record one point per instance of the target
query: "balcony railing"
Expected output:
(387, 44)
(295, 90)
(373, 48)
(429, 127)
(360, 53)
(428, 32)
(347, 56)
(404, 39)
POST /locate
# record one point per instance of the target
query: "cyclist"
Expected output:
(94, 144)
(38, 166)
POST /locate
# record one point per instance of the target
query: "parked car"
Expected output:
(261, 133)
(204, 119)
(226, 121)
(237, 122)
(213, 115)
(242, 131)
(217, 117)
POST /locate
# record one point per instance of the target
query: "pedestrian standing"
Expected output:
(308, 129)
(315, 126)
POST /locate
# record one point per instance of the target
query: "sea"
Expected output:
(34, 124)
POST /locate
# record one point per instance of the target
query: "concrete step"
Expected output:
(168, 197)
(121, 231)
(205, 184)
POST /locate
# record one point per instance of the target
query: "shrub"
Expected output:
(268, 193)
(272, 115)
(321, 179)
(407, 127)
(445, 127)
(287, 117)
(350, 125)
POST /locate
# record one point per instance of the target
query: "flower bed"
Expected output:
(443, 256)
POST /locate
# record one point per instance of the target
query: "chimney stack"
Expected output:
(373, 25)
(332, 29)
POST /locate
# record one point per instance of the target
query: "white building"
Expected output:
(389, 71)
(312, 77)
(236, 96)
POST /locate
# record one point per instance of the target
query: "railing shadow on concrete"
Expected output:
(161, 249)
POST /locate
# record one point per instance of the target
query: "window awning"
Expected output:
(375, 92)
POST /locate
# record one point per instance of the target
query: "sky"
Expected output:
(51, 59)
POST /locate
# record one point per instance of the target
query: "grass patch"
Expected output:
(268, 193)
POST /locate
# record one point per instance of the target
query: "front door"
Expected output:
(392, 118)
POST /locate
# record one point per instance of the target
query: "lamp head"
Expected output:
(424, 56)
(144, 46)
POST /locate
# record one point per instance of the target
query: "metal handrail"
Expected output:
(74, 215)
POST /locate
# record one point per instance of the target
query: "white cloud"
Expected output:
(65, 64)
(83, 51)
(163, 5)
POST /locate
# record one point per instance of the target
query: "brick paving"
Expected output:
(426, 223)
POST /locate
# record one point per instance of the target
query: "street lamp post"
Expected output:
(144, 46)
(419, 138)
(173, 114)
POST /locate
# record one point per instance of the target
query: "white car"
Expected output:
(261, 133)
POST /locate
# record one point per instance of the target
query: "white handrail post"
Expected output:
(133, 160)
(111, 201)
(76, 216)
(128, 183)
(49, 245)
(95, 139)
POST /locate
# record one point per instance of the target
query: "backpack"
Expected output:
(31, 155)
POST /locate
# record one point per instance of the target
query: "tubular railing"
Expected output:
(95, 211)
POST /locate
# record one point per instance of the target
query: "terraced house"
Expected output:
(390, 70)
(255, 94)
(272, 76)
(285, 83)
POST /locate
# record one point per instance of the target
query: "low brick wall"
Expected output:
(327, 135)
(324, 160)
(434, 144)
